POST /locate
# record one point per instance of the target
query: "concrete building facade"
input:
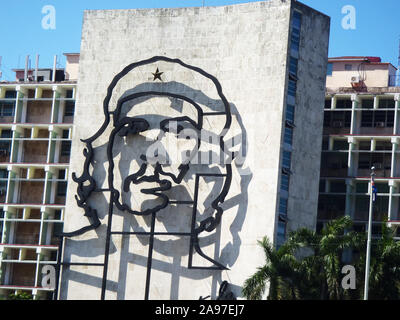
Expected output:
(36, 129)
(257, 69)
(361, 130)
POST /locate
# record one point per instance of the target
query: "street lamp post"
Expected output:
(368, 258)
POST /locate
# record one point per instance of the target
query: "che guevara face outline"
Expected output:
(184, 127)
(86, 182)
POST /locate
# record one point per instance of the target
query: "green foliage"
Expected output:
(309, 265)
(20, 296)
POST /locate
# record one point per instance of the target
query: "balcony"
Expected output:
(35, 151)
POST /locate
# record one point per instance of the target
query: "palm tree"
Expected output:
(307, 266)
(384, 280)
(325, 261)
(279, 271)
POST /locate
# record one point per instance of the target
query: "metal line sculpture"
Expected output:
(125, 126)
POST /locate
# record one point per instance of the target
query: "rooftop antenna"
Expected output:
(203, 2)
(1, 73)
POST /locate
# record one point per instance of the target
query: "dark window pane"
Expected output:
(290, 113)
(293, 66)
(292, 88)
(296, 22)
(283, 205)
(367, 103)
(285, 182)
(69, 108)
(66, 148)
(69, 94)
(62, 188)
(344, 103)
(286, 161)
(288, 137)
(386, 103)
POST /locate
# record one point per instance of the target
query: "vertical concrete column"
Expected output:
(376, 102)
(391, 191)
(396, 114)
(349, 198)
(48, 194)
(38, 269)
(354, 114)
(352, 158)
(11, 185)
(334, 99)
(55, 107)
(393, 169)
(54, 145)
(20, 105)
(16, 153)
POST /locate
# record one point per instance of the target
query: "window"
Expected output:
(11, 94)
(362, 187)
(338, 187)
(285, 182)
(3, 174)
(288, 136)
(70, 94)
(283, 202)
(66, 148)
(5, 148)
(337, 119)
(287, 159)
(348, 67)
(296, 22)
(6, 109)
(367, 103)
(296, 26)
(344, 103)
(383, 145)
(62, 188)
(290, 113)
(65, 134)
(322, 185)
(329, 69)
(69, 108)
(386, 103)
(328, 103)
(281, 234)
(340, 145)
(325, 143)
(6, 133)
(295, 41)
(377, 119)
(61, 174)
(293, 66)
(364, 145)
(292, 88)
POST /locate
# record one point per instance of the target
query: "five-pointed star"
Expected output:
(157, 75)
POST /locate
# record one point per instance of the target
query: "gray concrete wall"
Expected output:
(245, 47)
(307, 137)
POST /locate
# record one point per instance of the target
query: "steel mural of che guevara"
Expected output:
(165, 144)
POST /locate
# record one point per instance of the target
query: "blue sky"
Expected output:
(377, 29)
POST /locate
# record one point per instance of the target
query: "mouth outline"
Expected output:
(138, 178)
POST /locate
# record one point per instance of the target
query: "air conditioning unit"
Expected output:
(356, 79)
(380, 124)
(337, 124)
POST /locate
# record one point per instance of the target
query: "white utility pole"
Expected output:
(371, 207)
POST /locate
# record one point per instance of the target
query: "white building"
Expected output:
(257, 69)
